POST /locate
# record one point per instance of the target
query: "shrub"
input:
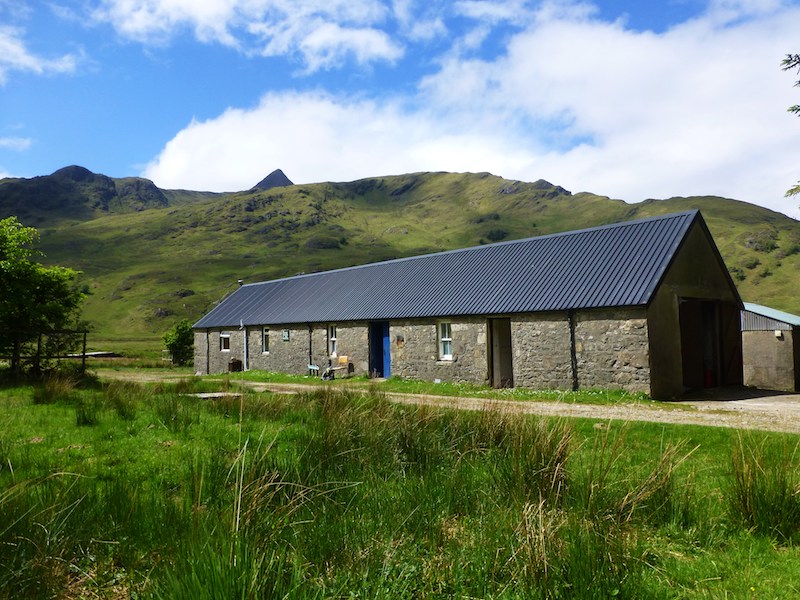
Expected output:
(324, 243)
(496, 235)
(752, 263)
(180, 342)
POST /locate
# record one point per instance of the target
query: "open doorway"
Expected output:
(501, 364)
(711, 345)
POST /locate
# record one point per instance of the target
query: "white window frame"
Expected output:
(332, 340)
(265, 340)
(224, 341)
(444, 335)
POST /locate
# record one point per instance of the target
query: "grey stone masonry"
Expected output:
(415, 350)
(200, 351)
(541, 349)
(612, 349)
(208, 349)
(352, 341)
(288, 349)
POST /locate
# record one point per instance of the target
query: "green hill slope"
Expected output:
(150, 266)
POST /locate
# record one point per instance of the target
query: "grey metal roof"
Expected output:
(756, 317)
(612, 265)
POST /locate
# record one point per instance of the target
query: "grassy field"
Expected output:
(122, 490)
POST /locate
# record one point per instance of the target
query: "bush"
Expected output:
(496, 235)
(180, 342)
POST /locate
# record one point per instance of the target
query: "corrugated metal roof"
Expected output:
(763, 318)
(612, 265)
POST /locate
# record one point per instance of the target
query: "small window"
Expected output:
(265, 340)
(331, 340)
(225, 341)
(285, 335)
(445, 342)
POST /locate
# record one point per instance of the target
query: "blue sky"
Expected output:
(634, 100)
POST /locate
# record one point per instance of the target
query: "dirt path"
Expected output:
(738, 408)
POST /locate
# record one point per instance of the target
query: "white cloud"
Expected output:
(492, 11)
(420, 20)
(329, 44)
(316, 137)
(321, 32)
(699, 109)
(15, 143)
(15, 56)
(587, 104)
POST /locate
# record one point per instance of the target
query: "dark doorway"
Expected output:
(380, 349)
(501, 365)
(711, 350)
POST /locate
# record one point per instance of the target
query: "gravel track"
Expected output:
(739, 408)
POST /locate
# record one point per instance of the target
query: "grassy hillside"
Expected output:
(151, 266)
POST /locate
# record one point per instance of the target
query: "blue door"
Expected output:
(380, 349)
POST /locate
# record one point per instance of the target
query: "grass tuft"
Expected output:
(765, 491)
(56, 388)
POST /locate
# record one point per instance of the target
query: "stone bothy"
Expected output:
(645, 306)
(770, 348)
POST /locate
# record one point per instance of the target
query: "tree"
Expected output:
(792, 61)
(180, 342)
(35, 300)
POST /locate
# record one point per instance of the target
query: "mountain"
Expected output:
(273, 180)
(148, 265)
(75, 193)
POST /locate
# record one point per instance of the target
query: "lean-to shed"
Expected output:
(770, 348)
(644, 305)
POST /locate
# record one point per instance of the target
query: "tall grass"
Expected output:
(765, 488)
(335, 493)
(56, 388)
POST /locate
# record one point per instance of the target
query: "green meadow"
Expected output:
(114, 490)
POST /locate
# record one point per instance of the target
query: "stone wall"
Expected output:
(541, 350)
(285, 355)
(208, 356)
(352, 341)
(612, 349)
(415, 350)
(200, 352)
